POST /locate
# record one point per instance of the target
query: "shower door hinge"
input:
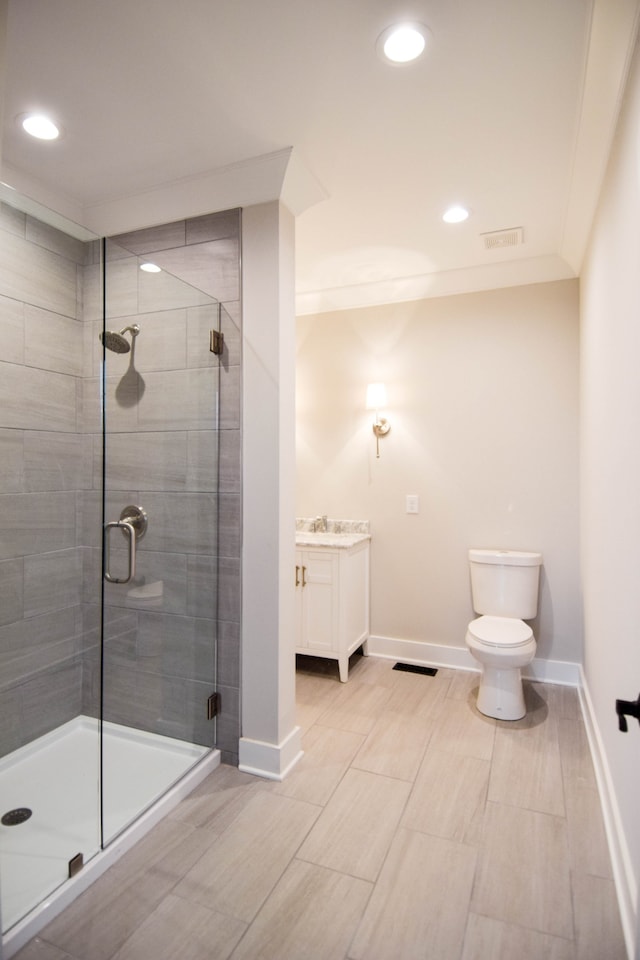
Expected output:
(213, 706)
(216, 342)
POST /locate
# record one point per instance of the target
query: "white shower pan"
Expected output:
(57, 778)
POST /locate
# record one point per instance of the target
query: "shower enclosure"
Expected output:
(116, 453)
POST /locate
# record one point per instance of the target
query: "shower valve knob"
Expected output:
(627, 708)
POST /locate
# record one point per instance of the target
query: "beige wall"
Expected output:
(610, 482)
(483, 406)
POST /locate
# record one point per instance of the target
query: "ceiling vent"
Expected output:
(499, 239)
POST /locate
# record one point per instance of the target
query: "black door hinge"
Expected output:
(213, 706)
(216, 342)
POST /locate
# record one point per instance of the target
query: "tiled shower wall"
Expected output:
(164, 452)
(44, 467)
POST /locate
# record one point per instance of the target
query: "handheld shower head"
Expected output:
(117, 342)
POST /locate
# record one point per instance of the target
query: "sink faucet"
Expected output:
(320, 524)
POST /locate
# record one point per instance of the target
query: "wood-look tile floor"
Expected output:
(413, 828)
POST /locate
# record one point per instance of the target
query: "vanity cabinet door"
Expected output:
(317, 592)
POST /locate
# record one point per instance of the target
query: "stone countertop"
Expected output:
(307, 538)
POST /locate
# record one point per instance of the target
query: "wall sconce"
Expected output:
(377, 400)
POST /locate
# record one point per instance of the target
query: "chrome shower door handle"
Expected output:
(128, 530)
(133, 523)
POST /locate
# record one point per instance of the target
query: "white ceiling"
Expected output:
(511, 112)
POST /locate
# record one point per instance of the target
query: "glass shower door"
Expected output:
(160, 383)
(108, 662)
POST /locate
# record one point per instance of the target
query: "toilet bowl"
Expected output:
(502, 645)
(504, 588)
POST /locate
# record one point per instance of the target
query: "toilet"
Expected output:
(504, 588)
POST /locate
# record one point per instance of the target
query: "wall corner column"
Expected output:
(270, 740)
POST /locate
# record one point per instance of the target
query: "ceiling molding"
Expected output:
(246, 183)
(612, 39)
(30, 187)
(30, 206)
(301, 189)
(511, 273)
(276, 176)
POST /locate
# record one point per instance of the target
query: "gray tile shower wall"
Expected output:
(173, 445)
(43, 472)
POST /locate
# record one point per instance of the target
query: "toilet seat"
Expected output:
(500, 631)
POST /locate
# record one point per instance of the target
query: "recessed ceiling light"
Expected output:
(455, 214)
(402, 42)
(40, 126)
(150, 268)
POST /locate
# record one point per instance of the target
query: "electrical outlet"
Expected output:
(413, 503)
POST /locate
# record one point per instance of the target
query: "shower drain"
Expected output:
(14, 817)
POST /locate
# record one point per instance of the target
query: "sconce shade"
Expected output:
(377, 400)
(376, 396)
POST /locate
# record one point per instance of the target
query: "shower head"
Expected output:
(117, 341)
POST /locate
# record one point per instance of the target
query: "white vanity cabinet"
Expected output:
(332, 598)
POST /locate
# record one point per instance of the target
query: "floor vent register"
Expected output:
(413, 668)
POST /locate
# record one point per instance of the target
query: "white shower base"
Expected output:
(58, 778)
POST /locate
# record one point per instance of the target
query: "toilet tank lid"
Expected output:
(507, 558)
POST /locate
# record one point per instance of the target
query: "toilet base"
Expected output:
(500, 694)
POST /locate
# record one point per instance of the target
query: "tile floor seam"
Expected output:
(396, 831)
(469, 902)
(321, 867)
(465, 932)
(389, 776)
(574, 915)
(504, 801)
(243, 935)
(67, 955)
(335, 787)
(221, 909)
(559, 820)
(539, 813)
(521, 926)
(476, 871)
(294, 855)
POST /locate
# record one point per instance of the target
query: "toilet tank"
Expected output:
(504, 583)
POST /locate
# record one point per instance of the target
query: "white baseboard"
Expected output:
(563, 672)
(270, 760)
(420, 653)
(621, 861)
(459, 658)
